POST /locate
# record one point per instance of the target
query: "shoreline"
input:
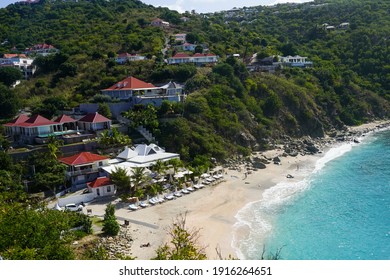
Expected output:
(213, 210)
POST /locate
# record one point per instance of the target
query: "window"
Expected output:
(100, 163)
(108, 188)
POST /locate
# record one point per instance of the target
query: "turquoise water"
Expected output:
(341, 211)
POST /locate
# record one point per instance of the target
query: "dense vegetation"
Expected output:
(228, 111)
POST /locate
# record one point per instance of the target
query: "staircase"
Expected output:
(145, 133)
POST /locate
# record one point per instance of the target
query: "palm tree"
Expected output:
(138, 178)
(159, 167)
(121, 180)
(54, 145)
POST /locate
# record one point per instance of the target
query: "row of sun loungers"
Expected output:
(210, 180)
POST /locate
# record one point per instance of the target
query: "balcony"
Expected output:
(82, 172)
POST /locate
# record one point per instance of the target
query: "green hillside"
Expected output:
(228, 108)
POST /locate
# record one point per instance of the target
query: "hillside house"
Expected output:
(122, 58)
(94, 122)
(36, 129)
(198, 59)
(83, 168)
(159, 23)
(41, 49)
(129, 87)
(187, 47)
(181, 37)
(295, 61)
(136, 91)
(20, 61)
(266, 64)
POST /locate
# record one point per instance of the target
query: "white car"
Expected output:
(73, 207)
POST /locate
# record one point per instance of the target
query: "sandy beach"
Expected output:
(213, 208)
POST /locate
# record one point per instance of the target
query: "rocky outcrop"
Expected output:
(118, 246)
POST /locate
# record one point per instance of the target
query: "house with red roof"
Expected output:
(94, 122)
(25, 128)
(101, 186)
(41, 49)
(83, 168)
(198, 59)
(159, 23)
(35, 129)
(136, 91)
(128, 88)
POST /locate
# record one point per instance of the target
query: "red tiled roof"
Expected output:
(203, 54)
(36, 120)
(20, 119)
(99, 182)
(94, 118)
(64, 119)
(82, 158)
(10, 55)
(123, 55)
(42, 46)
(131, 83)
(180, 55)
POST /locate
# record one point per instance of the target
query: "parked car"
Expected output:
(73, 207)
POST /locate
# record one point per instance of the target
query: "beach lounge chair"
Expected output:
(169, 196)
(153, 201)
(143, 204)
(185, 191)
(178, 194)
(160, 199)
(133, 207)
(191, 189)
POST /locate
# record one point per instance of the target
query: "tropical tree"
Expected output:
(145, 116)
(110, 224)
(9, 102)
(104, 110)
(184, 243)
(159, 167)
(121, 180)
(36, 232)
(54, 145)
(46, 171)
(9, 75)
(113, 138)
(138, 178)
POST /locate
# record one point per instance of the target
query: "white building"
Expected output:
(20, 61)
(295, 61)
(197, 59)
(101, 186)
(122, 58)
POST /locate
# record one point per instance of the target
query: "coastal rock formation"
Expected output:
(119, 245)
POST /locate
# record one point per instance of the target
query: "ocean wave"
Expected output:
(254, 220)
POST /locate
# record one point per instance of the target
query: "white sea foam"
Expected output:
(254, 221)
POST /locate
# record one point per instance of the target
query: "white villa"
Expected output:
(197, 59)
(21, 61)
(143, 155)
(295, 61)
